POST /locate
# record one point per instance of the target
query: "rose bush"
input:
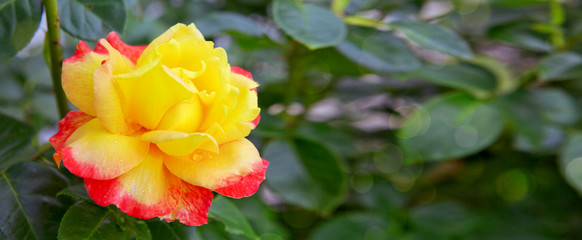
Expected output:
(160, 127)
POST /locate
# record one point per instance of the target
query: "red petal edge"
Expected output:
(241, 71)
(248, 185)
(193, 206)
(256, 121)
(130, 51)
(107, 192)
(67, 126)
(82, 50)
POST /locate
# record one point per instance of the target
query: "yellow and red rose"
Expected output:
(160, 127)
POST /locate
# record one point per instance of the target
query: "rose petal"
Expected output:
(176, 31)
(177, 143)
(107, 102)
(94, 152)
(234, 161)
(238, 121)
(193, 206)
(129, 51)
(216, 76)
(241, 71)
(215, 82)
(248, 185)
(68, 125)
(77, 76)
(234, 131)
(146, 191)
(183, 117)
(243, 80)
(149, 91)
(246, 82)
(255, 122)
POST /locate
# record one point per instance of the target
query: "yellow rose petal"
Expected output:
(177, 143)
(149, 92)
(174, 32)
(77, 77)
(235, 160)
(107, 102)
(183, 117)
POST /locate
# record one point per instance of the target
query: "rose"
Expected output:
(159, 127)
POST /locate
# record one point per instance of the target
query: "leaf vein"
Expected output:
(20, 204)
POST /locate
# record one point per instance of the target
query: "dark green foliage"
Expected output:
(448, 127)
(380, 119)
(92, 19)
(434, 37)
(311, 25)
(27, 199)
(305, 173)
(14, 136)
(19, 19)
(378, 51)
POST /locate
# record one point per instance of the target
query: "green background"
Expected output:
(382, 119)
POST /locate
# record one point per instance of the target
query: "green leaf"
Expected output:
(77, 191)
(133, 227)
(14, 136)
(335, 139)
(463, 76)
(216, 23)
(378, 51)
(171, 231)
(554, 105)
(359, 6)
(141, 230)
(382, 198)
(444, 218)
(449, 127)
(92, 19)
(571, 161)
(19, 20)
(332, 61)
(520, 34)
(86, 220)
(263, 220)
(352, 226)
(23, 155)
(537, 116)
(434, 37)
(234, 221)
(28, 209)
(311, 25)
(214, 230)
(545, 138)
(305, 173)
(562, 66)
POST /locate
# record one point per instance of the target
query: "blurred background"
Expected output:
(382, 119)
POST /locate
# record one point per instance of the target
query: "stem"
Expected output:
(556, 21)
(56, 54)
(41, 150)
